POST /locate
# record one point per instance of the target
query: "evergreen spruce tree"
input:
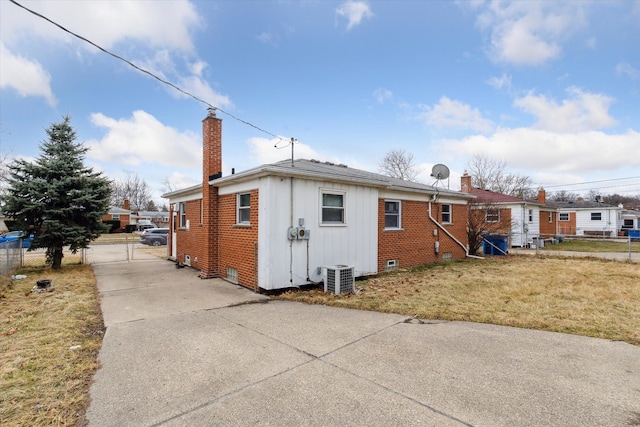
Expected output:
(57, 197)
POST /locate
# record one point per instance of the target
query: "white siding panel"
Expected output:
(284, 263)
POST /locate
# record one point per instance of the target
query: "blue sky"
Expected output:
(551, 88)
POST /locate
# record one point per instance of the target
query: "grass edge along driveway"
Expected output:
(595, 298)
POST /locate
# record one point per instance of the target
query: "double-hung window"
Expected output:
(596, 216)
(332, 210)
(530, 215)
(392, 214)
(563, 216)
(183, 214)
(244, 208)
(446, 214)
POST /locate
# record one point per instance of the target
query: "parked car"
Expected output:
(145, 224)
(16, 236)
(154, 236)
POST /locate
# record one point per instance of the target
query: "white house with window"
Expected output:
(587, 218)
(312, 214)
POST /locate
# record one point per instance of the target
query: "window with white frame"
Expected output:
(563, 216)
(115, 216)
(492, 215)
(332, 210)
(627, 223)
(596, 216)
(446, 214)
(550, 217)
(244, 208)
(530, 215)
(392, 214)
(183, 214)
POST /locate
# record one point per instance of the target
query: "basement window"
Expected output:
(232, 274)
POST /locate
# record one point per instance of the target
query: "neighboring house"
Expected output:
(276, 226)
(630, 220)
(119, 214)
(160, 219)
(521, 218)
(587, 218)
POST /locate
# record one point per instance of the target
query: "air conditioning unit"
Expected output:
(338, 279)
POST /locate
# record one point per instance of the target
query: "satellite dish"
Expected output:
(440, 172)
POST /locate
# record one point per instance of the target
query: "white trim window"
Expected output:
(244, 208)
(332, 207)
(392, 214)
(183, 214)
(115, 217)
(596, 216)
(446, 214)
(563, 216)
(550, 217)
(530, 215)
(492, 215)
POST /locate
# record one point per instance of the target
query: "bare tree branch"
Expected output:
(399, 163)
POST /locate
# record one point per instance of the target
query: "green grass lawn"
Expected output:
(594, 246)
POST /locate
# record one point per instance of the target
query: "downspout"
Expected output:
(441, 227)
(291, 225)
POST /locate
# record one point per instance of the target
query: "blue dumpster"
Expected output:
(634, 235)
(494, 245)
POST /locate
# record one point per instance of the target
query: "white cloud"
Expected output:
(583, 111)
(179, 181)
(355, 12)
(502, 82)
(529, 33)
(626, 69)
(382, 95)
(156, 24)
(143, 139)
(27, 77)
(544, 151)
(452, 113)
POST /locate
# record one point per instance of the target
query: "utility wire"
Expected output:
(147, 72)
(592, 182)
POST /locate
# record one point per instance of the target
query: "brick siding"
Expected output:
(238, 248)
(414, 243)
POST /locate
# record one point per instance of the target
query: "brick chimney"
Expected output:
(211, 169)
(465, 183)
(126, 205)
(542, 196)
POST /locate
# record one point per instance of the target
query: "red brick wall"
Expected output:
(238, 243)
(211, 165)
(548, 229)
(190, 241)
(567, 227)
(414, 244)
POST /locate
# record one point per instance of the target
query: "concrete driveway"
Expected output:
(181, 351)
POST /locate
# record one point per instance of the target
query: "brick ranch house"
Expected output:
(518, 219)
(275, 226)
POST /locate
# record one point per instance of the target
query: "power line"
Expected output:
(147, 72)
(592, 182)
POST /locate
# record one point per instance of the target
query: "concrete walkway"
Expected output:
(181, 351)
